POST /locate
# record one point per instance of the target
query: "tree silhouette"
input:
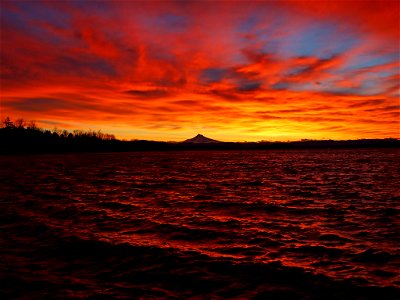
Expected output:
(7, 123)
(21, 136)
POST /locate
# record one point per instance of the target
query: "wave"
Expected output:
(245, 225)
(92, 266)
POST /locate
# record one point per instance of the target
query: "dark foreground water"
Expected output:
(201, 225)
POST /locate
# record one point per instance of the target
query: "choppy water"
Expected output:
(211, 225)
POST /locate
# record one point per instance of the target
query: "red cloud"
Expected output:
(144, 70)
(376, 16)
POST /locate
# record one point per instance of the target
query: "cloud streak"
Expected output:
(166, 70)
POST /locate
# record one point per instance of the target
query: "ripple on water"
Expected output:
(253, 225)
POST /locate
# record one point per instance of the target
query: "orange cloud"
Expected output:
(167, 70)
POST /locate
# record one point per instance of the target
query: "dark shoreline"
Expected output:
(18, 137)
(18, 146)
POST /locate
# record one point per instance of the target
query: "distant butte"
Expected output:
(201, 139)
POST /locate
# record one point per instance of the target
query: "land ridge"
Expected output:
(20, 138)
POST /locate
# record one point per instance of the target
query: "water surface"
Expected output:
(257, 224)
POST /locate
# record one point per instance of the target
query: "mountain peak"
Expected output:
(201, 139)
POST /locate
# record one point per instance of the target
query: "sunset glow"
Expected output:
(233, 71)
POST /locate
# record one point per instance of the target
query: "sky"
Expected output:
(230, 70)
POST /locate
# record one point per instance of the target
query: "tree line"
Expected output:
(21, 136)
(24, 137)
(21, 126)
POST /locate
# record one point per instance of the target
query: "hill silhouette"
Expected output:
(21, 137)
(200, 139)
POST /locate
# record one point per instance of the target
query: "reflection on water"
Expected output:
(272, 224)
